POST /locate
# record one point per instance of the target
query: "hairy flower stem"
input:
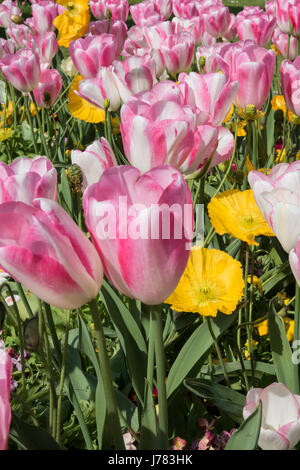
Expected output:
(62, 380)
(113, 421)
(41, 128)
(29, 118)
(218, 351)
(297, 323)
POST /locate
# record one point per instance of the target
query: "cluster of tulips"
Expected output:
(173, 101)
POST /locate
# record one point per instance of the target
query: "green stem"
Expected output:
(218, 351)
(160, 360)
(255, 144)
(46, 149)
(111, 404)
(24, 300)
(52, 330)
(29, 117)
(297, 325)
(230, 161)
(288, 46)
(62, 380)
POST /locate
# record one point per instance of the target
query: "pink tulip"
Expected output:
(119, 9)
(280, 40)
(133, 75)
(282, 16)
(46, 46)
(278, 198)
(194, 26)
(186, 8)
(211, 93)
(280, 425)
(270, 7)
(92, 52)
(48, 89)
(7, 9)
(97, 90)
(290, 79)
(231, 32)
(178, 52)
(253, 67)
(21, 69)
(294, 15)
(117, 28)
(158, 255)
(43, 14)
(216, 20)
(42, 248)
(21, 35)
(156, 34)
(164, 7)
(146, 13)
(258, 27)
(213, 60)
(5, 410)
(294, 260)
(96, 158)
(26, 179)
(157, 128)
(6, 47)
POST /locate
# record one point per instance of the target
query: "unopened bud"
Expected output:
(202, 61)
(108, 14)
(251, 110)
(17, 19)
(74, 175)
(106, 103)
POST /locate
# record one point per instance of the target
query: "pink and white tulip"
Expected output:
(42, 248)
(134, 75)
(290, 81)
(258, 27)
(48, 89)
(46, 46)
(194, 26)
(43, 14)
(146, 13)
(280, 425)
(7, 46)
(21, 69)
(178, 52)
(92, 52)
(212, 93)
(216, 19)
(157, 128)
(186, 8)
(7, 9)
(93, 161)
(97, 90)
(117, 28)
(253, 67)
(280, 40)
(119, 9)
(278, 198)
(5, 409)
(157, 261)
(26, 179)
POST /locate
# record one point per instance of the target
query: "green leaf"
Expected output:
(149, 428)
(226, 399)
(130, 336)
(195, 349)
(33, 437)
(261, 367)
(87, 348)
(246, 437)
(286, 371)
(66, 192)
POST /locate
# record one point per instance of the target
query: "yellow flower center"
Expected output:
(70, 6)
(207, 294)
(248, 222)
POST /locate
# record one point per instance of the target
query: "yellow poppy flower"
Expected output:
(278, 103)
(8, 114)
(263, 328)
(247, 350)
(256, 282)
(203, 287)
(5, 134)
(73, 22)
(82, 109)
(236, 212)
(274, 48)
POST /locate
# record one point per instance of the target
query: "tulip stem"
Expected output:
(24, 300)
(40, 126)
(62, 380)
(298, 45)
(288, 46)
(29, 117)
(113, 422)
(160, 360)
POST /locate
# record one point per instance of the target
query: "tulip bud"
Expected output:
(202, 61)
(74, 175)
(17, 19)
(106, 103)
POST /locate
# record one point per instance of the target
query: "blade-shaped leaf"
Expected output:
(246, 437)
(196, 347)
